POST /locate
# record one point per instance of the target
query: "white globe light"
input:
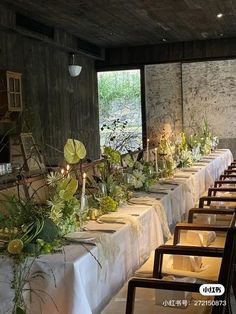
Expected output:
(74, 70)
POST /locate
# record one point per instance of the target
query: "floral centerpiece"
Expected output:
(195, 146)
(140, 174)
(182, 155)
(28, 229)
(208, 141)
(166, 150)
(110, 187)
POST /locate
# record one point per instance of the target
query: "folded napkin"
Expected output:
(202, 238)
(182, 175)
(122, 218)
(209, 219)
(189, 263)
(144, 200)
(159, 209)
(166, 295)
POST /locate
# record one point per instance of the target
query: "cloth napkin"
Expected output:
(159, 209)
(107, 250)
(122, 218)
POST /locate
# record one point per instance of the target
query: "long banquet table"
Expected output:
(75, 283)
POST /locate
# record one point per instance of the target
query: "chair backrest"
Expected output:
(227, 276)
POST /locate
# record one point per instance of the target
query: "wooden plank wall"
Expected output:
(56, 106)
(200, 50)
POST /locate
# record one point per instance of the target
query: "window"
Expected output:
(120, 113)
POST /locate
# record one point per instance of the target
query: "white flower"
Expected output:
(56, 209)
(53, 178)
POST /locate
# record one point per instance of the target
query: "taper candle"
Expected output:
(83, 192)
(156, 164)
(147, 157)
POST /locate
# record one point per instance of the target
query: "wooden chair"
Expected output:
(213, 191)
(207, 227)
(230, 171)
(227, 276)
(206, 211)
(219, 183)
(207, 200)
(232, 166)
(227, 177)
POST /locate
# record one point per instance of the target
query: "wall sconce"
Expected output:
(74, 69)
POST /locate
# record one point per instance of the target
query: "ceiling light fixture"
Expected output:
(164, 39)
(74, 69)
(219, 15)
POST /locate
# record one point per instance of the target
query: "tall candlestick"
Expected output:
(156, 164)
(147, 157)
(83, 192)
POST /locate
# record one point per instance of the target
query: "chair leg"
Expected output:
(130, 298)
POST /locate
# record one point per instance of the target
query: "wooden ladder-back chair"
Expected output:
(227, 276)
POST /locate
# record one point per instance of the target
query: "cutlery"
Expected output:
(169, 183)
(100, 230)
(157, 192)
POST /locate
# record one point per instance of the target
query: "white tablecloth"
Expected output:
(81, 286)
(191, 184)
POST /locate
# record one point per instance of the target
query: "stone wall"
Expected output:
(209, 91)
(183, 95)
(163, 99)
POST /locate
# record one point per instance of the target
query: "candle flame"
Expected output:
(62, 171)
(84, 175)
(67, 167)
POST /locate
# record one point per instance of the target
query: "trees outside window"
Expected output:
(120, 110)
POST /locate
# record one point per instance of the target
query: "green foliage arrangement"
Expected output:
(107, 204)
(113, 156)
(28, 229)
(182, 154)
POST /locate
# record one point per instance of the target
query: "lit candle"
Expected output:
(156, 164)
(67, 169)
(83, 191)
(147, 157)
(62, 171)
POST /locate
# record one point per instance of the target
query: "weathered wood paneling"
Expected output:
(56, 106)
(171, 52)
(120, 23)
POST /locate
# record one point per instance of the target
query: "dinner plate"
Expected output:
(79, 236)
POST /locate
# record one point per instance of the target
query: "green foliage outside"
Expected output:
(119, 98)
